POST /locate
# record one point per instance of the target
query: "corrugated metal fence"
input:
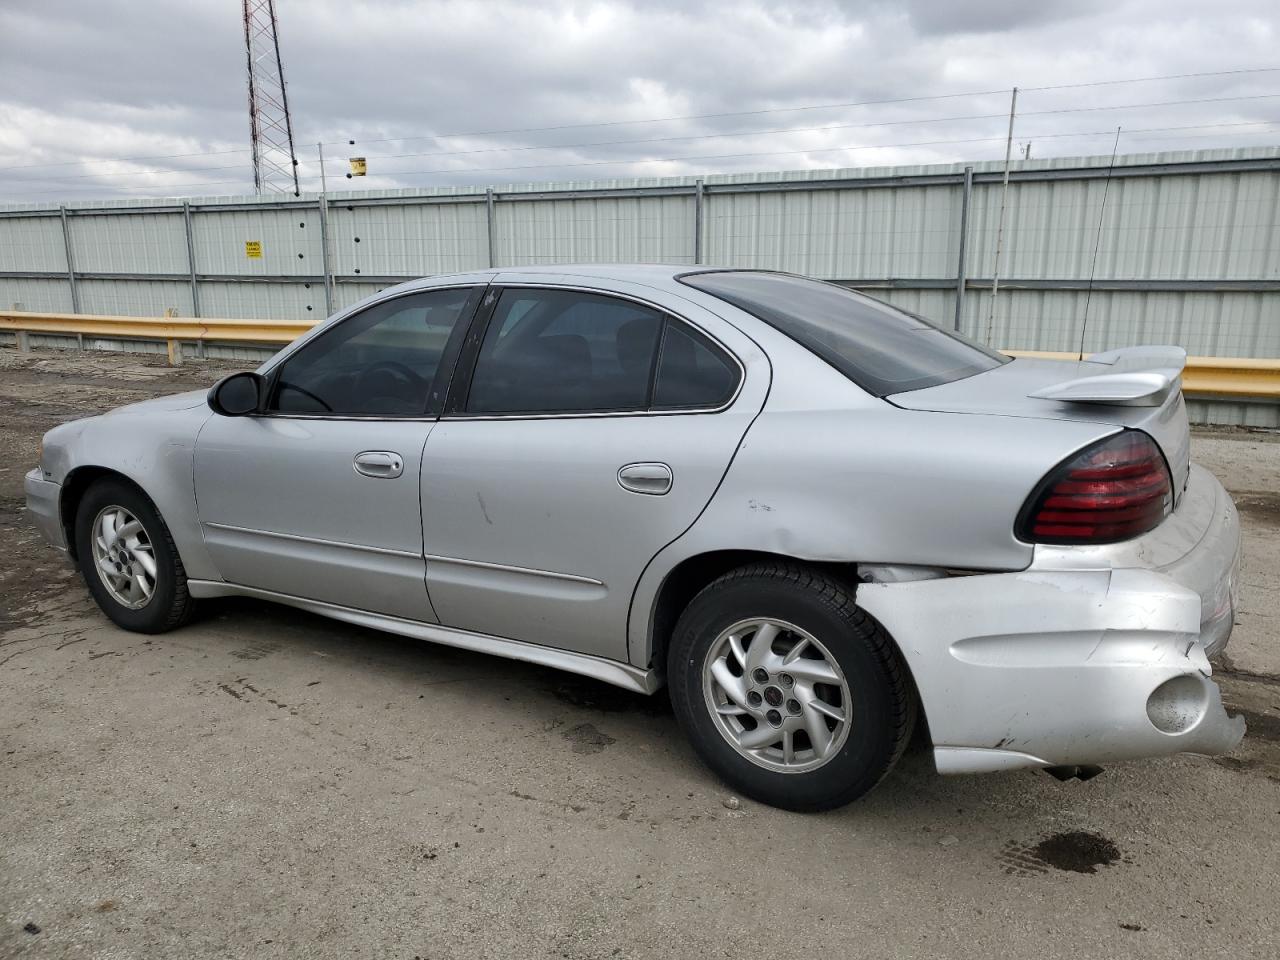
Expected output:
(1188, 250)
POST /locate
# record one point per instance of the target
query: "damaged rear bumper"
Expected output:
(1091, 655)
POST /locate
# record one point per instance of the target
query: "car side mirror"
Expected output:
(236, 395)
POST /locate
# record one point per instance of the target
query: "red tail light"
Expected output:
(1114, 490)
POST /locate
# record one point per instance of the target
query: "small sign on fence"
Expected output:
(253, 249)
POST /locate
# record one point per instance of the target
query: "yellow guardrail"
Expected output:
(156, 328)
(173, 330)
(1207, 376)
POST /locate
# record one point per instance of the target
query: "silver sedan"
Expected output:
(816, 518)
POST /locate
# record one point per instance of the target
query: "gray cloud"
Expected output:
(942, 17)
(85, 83)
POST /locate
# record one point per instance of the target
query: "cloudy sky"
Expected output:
(102, 98)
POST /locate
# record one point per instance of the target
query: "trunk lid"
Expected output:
(1139, 388)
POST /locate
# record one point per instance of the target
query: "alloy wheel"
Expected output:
(124, 557)
(777, 695)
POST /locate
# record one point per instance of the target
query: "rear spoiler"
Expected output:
(1141, 377)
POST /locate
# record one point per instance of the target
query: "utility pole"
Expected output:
(325, 258)
(1004, 195)
(275, 165)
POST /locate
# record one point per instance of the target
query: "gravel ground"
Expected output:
(267, 783)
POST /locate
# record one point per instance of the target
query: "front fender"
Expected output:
(153, 447)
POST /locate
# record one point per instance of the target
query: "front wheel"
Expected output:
(787, 690)
(128, 559)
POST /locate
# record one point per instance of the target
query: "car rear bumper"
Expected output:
(1088, 656)
(42, 503)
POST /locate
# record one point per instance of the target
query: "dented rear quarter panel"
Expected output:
(829, 473)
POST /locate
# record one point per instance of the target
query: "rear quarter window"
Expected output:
(881, 348)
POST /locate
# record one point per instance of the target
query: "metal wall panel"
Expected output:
(37, 296)
(135, 298)
(31, 243)
(1177, 222)
(290, 242)
(128, 243)
(1207, 324)
(250, 356)
(623, 230)
(1219, 226)
(1226, 413)
(937, 305)
(838, 234)
(348, 293)
(262, 301)
(130, 346)
(408, 241)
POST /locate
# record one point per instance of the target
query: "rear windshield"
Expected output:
(881, 348)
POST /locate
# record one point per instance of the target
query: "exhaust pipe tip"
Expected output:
(1072, 771)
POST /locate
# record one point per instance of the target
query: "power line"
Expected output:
(691, 137)
(821, 106)
(1030, 113)
(570, 126)
(631, 161)
(723, 156)
(1167, 76)
(1159, 103)
(705, 116)
(564, 146)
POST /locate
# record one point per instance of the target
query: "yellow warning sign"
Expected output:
(253, 249)
(358, 167)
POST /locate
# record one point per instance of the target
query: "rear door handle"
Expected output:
(653, 479)
(381, 464)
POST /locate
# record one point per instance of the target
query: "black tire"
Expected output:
(170, 604)
(883, 697)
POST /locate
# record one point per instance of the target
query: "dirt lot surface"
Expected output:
(265, 783)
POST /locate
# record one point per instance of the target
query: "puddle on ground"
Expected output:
(1074, 851)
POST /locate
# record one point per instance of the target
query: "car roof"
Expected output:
(647, 273)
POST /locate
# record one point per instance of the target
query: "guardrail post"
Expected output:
(174, 347)
(191, 259)
(697, 220)
(71, 266)
(21, 340)
(962, 276)
(492, 224)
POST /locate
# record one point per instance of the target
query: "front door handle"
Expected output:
(382, 464)
(653, 479)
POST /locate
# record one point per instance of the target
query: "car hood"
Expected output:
(178, 401)
(1006, 392)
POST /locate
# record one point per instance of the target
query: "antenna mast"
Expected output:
(275, 165)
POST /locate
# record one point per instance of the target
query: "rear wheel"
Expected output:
(128, 559)
(788, 690)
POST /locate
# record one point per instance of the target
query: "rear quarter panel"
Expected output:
(826, 475)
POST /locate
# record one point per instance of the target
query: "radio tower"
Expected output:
(275, 166)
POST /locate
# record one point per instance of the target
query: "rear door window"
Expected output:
(565, 351)
(881, 348)
(552, 351)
